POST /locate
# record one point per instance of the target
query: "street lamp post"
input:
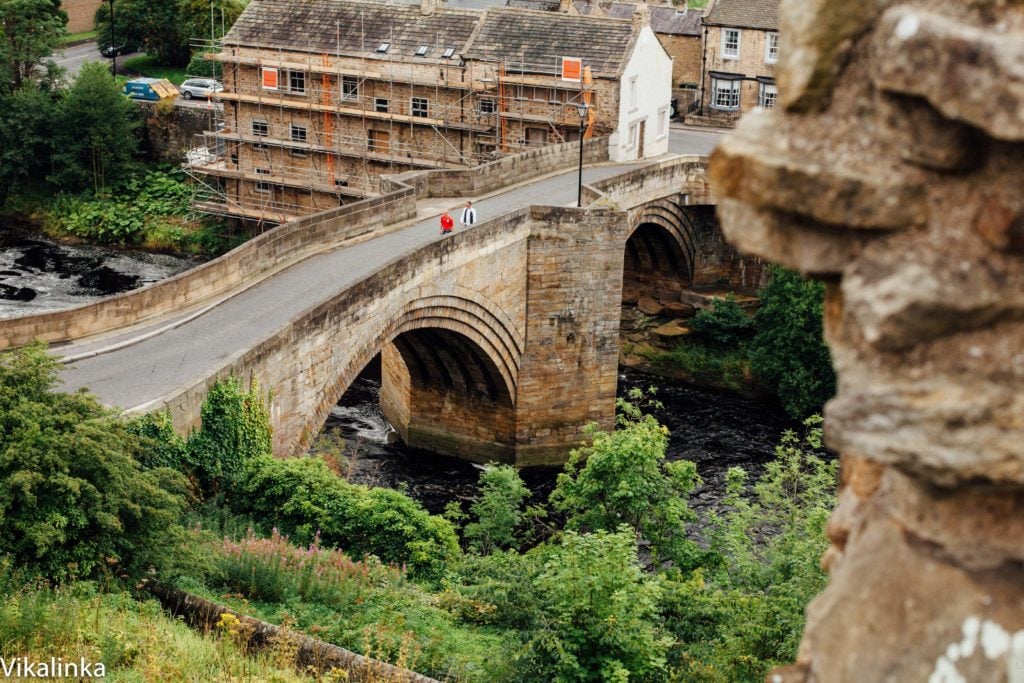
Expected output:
(113, 42)
(582, 108)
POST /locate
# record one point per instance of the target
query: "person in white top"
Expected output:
(468, 217)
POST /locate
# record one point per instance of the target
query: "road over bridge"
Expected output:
(498, 342)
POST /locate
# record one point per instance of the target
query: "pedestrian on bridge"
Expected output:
(468, 217)
(446, 223)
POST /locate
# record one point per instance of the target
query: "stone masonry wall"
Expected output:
(894, 172)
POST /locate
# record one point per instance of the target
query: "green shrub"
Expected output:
(302, 497)
(788, 354)
(598, 614)
(498, 509)
(235, 432)
(724, 324)
(199, 66)
(73, 496)
(622, 478)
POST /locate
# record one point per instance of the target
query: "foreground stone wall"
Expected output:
(894, 173)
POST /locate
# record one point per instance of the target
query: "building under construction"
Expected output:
(322, 97)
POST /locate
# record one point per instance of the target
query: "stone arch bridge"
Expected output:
(497, 342)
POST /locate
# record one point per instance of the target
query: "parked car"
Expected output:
(109, 51)
(200, 87)
(152, 89)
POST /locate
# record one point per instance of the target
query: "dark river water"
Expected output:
(714, 429)
(39, 275)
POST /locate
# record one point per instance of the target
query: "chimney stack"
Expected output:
(641, 16)
(564, 6)
(427, 6)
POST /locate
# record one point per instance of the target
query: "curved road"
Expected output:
(149, 369)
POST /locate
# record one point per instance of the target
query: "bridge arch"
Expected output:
(661, 245)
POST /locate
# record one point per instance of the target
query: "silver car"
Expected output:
(200, 87)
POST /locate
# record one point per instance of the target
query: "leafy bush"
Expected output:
(200, 66)
(724, 324)
(235, 432)
(788, 353)
(498, 509)
(748, 615)
(302, 496)
(622, 478)
(73, 497)
(598, 614)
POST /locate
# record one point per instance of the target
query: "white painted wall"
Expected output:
(648, 74)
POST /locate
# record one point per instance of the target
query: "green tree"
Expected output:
(597, 615)
(788, 353)
(621, 477)
(94, 139)
(498, 509)
(72, 494)
(30, 31)
(27, 118)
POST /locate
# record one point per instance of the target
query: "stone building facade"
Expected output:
(323, 97)
(892, 171)
(81, 14)
(741, 48)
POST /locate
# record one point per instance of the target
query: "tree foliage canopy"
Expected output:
(30, 31)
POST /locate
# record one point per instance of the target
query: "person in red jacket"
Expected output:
(446, 223)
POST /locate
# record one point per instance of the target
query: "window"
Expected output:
(349, 88)
(419, 106)
(662, 121)
(771, 48)
(380, 104)
(634, 131)
(383, 47)
(297, 82)
(769, 93)
(633, 93)
(487, 105)
(262, 186)
(448, 52)
(725, 94)
(298, 133)
(260, 128)
(421, 51)
(730, 43)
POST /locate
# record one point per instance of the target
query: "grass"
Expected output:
(724, 368)
(363, 605)
(148, 66)
(135, 641)
(80, 37)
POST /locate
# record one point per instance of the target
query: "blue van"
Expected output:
(151, 89)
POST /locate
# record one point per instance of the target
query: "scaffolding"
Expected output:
(305, 130)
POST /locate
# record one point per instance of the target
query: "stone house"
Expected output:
(81, 14)
(741, 47)
(322, 97)
(678, 29)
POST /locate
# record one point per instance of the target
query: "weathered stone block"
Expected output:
(926, 139)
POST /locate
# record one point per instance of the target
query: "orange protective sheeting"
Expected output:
(572, 69)
(269, 78)
(588, 96)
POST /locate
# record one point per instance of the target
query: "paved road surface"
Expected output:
(72, 58)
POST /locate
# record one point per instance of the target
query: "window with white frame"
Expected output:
(349, 88)
(262, 186)
(298, 133)
(730, 43)
(420, 106)
(634, 129)
(662, 121)
(769, 93)
(260, 128)
(380, 105)
(725, 94)
(487, 105)
(771, 48)
(297, 82)
(633, 93)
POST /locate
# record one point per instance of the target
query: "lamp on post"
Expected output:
(582, 109)
(113, 42)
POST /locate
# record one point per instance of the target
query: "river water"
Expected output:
(714, 429)
(38, 274)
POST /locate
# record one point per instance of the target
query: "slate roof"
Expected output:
(757, 14)
(313, 25)
(540, 39)
(664, 18)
